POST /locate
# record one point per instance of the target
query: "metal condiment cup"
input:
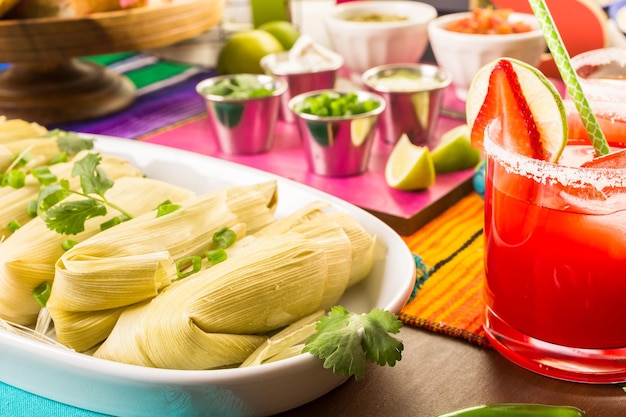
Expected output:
(412, 109)
(244, 126)
(341, 145)
(299, 79)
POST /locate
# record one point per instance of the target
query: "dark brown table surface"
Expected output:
(439, 374)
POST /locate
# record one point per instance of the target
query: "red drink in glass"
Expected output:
(602, 76)
(555, 264)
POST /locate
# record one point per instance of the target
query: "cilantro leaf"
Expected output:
(69, 217)
(347, 341)
(93, 179)
(70, 142)
(51, 195)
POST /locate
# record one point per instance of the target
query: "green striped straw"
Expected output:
(562, 60)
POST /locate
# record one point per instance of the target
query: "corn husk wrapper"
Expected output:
(28, 257)
(127, 264)
(12, 132)
(40, 150)
(362, 243)
(202, 321)
(13, 202)
(288, 271)
(286, 343)
(15, 129)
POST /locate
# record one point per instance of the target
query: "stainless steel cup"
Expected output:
(414, 94)
(337, 146)
(244, 126)
(299, 79)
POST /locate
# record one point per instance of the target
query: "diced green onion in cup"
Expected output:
(335, 104)
(241, 86)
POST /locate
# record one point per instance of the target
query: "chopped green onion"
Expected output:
(224, 237)
(182, 264)
(68, 244)
(31, 209)
(166, 207)
(13, 225)
(113, 222)
(42, 293)
(215, 256)
(44, 175)
(14, 178)
(22, 159)
(58, 158)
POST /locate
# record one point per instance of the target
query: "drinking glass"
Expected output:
(602, 76)
(555, 263)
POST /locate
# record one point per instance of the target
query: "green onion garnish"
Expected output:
(44, 175)
(68, 244)
(13, 225)
(166, 207)
(22, 159)
(215, 256)
(224, 237)
(31, 209)
(182, 264)
(113, 222)
(42, 293)
(58, 158)
(14, 178)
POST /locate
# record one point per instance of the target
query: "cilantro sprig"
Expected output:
(69, 217)
(347, 341)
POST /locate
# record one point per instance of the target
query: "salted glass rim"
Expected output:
(545, 172)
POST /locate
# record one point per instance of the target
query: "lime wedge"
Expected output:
(409, 167)
(455, 151)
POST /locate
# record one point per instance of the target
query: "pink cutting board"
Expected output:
(404, 211)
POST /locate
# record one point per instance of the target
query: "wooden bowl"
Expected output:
(46, 83)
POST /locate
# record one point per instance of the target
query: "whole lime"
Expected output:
(284, 31)
(242, 52)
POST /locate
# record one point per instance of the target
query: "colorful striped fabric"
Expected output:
(449, 259)
(166, 96)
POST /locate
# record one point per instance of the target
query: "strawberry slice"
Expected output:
(519, 108)
(505, 109)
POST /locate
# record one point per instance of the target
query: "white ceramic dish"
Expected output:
(463, 54)
(125, 390)
(364, 45)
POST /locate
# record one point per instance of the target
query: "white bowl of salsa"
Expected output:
(462, 45)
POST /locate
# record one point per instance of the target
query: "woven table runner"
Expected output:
(166, 96)
(448, 253)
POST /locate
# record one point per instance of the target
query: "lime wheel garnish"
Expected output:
(520, 109)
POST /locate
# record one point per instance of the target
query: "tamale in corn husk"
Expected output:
(271, 283)
(286, 343)
(28, 256)
(284, 273)
(362, 243)
(127, 264)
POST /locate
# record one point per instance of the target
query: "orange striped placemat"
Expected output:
(449, 259)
